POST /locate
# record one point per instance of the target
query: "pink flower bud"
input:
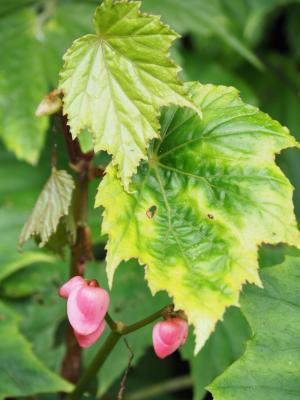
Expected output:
(169, 335)
(86, 307)
(88, 340)
(66, 289)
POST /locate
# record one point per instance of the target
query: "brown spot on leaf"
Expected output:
(151, 212)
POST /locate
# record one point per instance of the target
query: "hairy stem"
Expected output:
(118, 329)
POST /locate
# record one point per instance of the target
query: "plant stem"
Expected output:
(96, 364)
(81, 249)
(110, 322)
(148, 320)
(118, 329)
(156, 391)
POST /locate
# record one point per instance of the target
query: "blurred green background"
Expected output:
(253, 45)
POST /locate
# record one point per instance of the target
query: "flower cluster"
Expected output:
(88, 304)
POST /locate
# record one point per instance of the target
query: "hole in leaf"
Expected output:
(151, 212)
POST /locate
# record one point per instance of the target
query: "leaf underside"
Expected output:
(269, 369)
(116, 81)
(52, 204)
(217, 194)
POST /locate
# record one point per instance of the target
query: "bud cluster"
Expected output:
(87, 305)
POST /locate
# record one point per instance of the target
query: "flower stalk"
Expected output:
(118, 329)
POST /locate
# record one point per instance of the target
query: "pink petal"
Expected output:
(71, 284)
(184, 328)
(166, 338)
(88, 340)
(86, 307)
(170, 331)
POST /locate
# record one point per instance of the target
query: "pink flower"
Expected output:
(169, 335)
(86, 308)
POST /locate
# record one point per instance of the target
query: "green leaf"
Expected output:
(224, 346)
(218, 194)
(269, 369)
(33, 36)
(16, 198)
(52, 204)
(116, 80)
(25, 282)
(24, 273)
(64, 235)
(22, 86)
(42, 315)
(273, 255)
(21, 373)
(19, 261)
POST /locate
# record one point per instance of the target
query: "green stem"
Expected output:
(148, 320)
(95, 365)
(118, 329)
(110, 322)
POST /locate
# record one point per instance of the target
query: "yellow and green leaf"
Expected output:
(116, 81)
(197, 211)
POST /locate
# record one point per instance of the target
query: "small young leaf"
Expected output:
(218, 195)
(269, 369)
(64, 235)
(116, 80)
(52, 204)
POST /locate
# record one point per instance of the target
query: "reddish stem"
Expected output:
(81, 250)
